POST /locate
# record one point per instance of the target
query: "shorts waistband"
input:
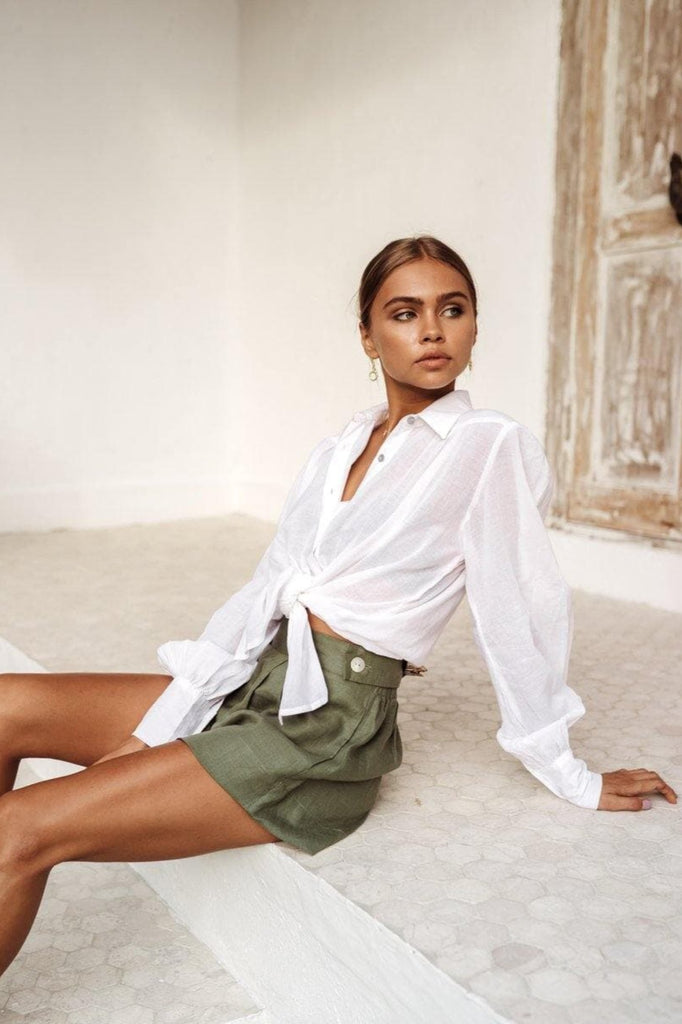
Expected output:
(353, 661)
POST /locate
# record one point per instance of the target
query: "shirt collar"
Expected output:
(440, 415)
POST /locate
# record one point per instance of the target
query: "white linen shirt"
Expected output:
(454, 500)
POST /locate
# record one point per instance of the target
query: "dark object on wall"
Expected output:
(675, 190)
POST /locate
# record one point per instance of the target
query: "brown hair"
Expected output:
(399, 252)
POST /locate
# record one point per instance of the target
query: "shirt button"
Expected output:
(357, 664)
(381, 457)
(410, 419)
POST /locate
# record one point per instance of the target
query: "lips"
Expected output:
(434, 355)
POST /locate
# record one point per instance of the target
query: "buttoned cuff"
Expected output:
(570, 778)
(179, 711)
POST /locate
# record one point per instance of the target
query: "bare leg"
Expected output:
(155, 804)
(73, 716)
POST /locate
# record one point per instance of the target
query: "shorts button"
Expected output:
(357, 664)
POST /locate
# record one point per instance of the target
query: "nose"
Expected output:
(431, 326)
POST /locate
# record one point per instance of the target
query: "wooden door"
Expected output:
(615, 376)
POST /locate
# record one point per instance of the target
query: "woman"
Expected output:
(279, 721)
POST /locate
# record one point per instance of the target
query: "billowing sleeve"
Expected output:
(523, 614)
(201, 668)
(206, 669)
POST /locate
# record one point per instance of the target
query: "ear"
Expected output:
(366, 342)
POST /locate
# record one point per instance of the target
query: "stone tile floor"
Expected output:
(553, 914)
(105, 950)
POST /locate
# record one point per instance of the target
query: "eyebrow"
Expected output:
(420, 302)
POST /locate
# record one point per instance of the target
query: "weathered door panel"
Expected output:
(615, 423)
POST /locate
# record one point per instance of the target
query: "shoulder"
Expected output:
(318, 456)
(324, 445)
(474, 418)
(489, 429)
(329, 442)
(499, 450)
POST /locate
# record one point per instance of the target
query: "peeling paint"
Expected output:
(615, 434)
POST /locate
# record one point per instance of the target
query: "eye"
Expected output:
(404, 314)
(454, 311)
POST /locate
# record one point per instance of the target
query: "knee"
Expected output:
(22, 850)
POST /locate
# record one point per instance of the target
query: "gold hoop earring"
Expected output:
(373, 375)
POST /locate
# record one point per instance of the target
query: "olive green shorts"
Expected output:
(314, 779)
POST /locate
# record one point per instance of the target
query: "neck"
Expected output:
(403, 403)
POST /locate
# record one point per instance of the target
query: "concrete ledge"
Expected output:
(548, 912)
(303, 950)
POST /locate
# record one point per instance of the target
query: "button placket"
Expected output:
(337, 473)
(391, 445)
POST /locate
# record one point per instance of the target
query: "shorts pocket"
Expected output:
(323, 732)
(268, 660)
(369, 750)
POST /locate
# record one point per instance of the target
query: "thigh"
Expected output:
(154, 804)
(73, 716)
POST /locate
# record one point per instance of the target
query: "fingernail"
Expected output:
(646, 804)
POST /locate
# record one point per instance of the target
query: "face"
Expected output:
(423, 307)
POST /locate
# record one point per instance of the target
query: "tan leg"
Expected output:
(155, 804)
(74, 716)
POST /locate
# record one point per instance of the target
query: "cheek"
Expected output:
(465, 327)
(400, 332)
(397, 344)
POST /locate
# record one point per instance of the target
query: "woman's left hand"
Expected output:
(622, 790)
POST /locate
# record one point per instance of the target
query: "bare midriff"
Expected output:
(320, 626)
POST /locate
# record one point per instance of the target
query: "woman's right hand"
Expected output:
(130, 746)
(622, 790)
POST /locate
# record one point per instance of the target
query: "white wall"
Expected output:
(192, 192)
(117, 254)
(363, 122)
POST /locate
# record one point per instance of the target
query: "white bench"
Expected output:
(304, 951)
